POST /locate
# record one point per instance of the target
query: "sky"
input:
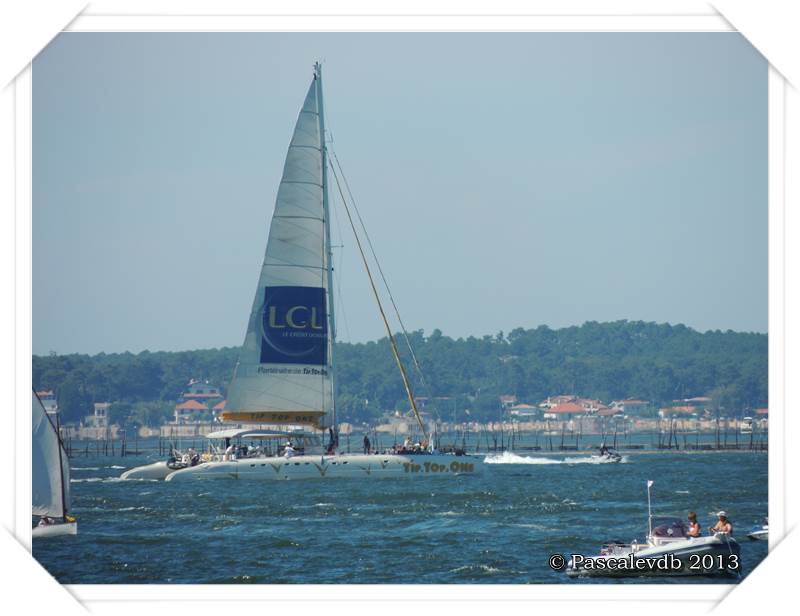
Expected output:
(506, 180)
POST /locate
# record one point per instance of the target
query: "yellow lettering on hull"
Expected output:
(274, 417)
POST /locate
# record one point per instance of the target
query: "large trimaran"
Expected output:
(286, 371)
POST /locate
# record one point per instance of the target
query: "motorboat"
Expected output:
(667, 550)
(759, 532)
(607, 455)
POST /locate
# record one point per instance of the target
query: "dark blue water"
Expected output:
(498, 528)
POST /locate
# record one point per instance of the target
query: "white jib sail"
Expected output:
(284, 369)
(50, 466)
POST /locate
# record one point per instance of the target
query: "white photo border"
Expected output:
(109, 596)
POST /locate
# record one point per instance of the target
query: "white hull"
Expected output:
(155, 471)
(684, 550)
(54, 530)
(759, 535)
(344, 465)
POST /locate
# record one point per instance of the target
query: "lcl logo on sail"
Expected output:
(296, 317)
(294, 326)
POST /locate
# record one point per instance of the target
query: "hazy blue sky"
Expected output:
(507, 180)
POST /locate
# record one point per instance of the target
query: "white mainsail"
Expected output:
(284, 373)
(50, 466)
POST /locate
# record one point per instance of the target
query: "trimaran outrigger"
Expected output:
(286, 371)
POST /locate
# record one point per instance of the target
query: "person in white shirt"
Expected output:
(288, 450)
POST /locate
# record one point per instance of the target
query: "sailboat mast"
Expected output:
(327, 222)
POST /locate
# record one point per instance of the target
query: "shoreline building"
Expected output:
(96, 426)
(194, 414)
(48, 399)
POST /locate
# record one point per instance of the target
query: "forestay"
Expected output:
(283, 375)
(50, 466)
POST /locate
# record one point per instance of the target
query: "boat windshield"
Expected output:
(668, 527)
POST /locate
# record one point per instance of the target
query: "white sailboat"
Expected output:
(50, 477)
(286, 371)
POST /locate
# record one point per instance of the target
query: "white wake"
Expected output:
(509, 457)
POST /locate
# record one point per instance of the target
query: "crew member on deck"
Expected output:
(288, 450)
(367, 444)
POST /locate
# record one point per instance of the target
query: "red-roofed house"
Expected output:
(201, 390)
(567, 410)
(608, 412)
(556, 400)
(186, 410)
(218, 407)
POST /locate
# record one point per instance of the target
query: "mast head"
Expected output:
(317, 70)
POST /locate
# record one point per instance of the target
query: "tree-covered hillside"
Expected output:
(657, 362)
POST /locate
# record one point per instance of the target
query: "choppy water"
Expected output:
(498, 528)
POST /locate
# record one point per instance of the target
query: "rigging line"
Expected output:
(395, 352)
(337, 272)
(383, 277)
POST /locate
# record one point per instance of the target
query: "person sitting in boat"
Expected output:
(194, 457)
(288, 450)
(230, 452)
(723, 525)
(694, 525)
(604, 450)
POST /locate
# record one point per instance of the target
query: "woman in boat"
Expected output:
(694, 525)
(723, 524)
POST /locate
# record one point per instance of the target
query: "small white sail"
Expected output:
(284, 371)
(50, 466)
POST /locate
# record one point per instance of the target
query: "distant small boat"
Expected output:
(50, 478)
(607, 455)
(746, 425)
(760, 532)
